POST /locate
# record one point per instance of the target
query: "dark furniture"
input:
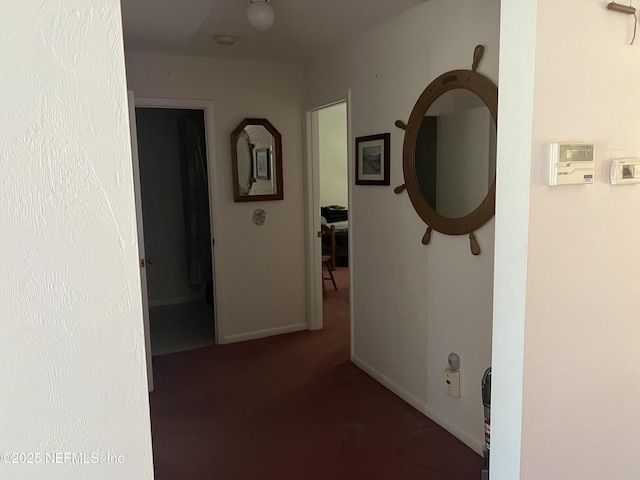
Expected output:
(337, 217)
(328, 255)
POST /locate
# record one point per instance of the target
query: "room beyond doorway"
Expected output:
(177, 232)
(332, 155)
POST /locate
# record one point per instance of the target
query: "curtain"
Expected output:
(195, 192)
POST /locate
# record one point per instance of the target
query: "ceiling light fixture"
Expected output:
(225, 39)
(260, 14)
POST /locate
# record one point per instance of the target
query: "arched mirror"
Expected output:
(449, 153)
(256, 156)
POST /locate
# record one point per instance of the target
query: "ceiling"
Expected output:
(302, 28)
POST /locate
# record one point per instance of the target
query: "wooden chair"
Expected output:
(328, 255)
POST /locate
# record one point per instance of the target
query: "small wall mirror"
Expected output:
(449, 153)
(256, 156)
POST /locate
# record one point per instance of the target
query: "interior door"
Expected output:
(141, 254)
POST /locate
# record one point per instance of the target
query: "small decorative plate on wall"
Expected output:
(259, 216)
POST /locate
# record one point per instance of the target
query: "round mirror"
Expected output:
(456, 153)
(449, 152)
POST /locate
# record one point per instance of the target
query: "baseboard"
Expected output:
(419, 405)
(268, 332)
(391, 385)
(173, 301)
(464, 437)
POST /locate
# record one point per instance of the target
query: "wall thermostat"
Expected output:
(571, 164)
(625, 170)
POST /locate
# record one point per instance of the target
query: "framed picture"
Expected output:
(263, 164)
(372, 159)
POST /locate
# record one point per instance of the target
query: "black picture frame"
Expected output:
(372, 160)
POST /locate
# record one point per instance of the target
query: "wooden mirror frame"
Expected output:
(487, 91)
(277, 163)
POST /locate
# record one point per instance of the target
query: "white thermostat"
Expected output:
(624, 171)
(571, 164)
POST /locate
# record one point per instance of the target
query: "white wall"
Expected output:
(332, 133)
(72, 349)
(576, 287)
(414, 304)
(259, 271)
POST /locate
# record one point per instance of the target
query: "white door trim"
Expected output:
(312, 222)
(207, 107)
(140, 230)
(351, 178)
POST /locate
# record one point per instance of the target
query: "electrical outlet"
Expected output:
(452, 382)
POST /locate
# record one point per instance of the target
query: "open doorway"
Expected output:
(334, 189)
(173, 164)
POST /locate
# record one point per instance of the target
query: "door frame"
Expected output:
(207, 107)
(312, 210)
(135, 160)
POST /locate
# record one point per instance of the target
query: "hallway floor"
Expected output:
(180, 327)
(293, 407)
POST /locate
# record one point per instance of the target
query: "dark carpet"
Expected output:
(292, 407)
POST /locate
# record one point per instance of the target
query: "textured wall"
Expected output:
(72, 349)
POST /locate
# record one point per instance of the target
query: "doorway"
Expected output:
(176, 213)
(327, 180)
